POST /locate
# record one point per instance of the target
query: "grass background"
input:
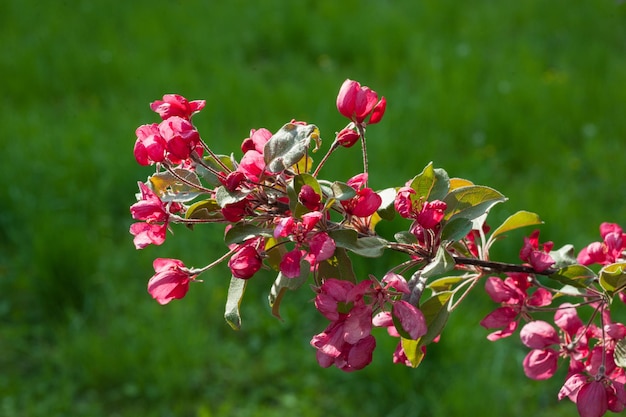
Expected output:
(526, 97)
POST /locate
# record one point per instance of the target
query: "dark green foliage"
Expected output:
(526, 97)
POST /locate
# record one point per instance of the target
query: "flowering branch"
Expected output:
(281, 216)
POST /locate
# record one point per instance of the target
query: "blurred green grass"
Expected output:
(526, 97)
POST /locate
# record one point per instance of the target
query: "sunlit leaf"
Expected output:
(471, 202)
(205, 209)
(619, 356)
(436, 311)
(578, 276)
(386, 209)
(515, 221)
(459, 182)
(289, 145)
(236, 289)
(444, 284)
(613, 277)
(169, 187)
(431, 183)
(225, 197)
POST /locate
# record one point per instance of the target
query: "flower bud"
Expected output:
(347, 137)
(245, 263)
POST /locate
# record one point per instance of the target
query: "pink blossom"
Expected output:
(252, 165)
(150, 146)
(170, 281)
(257, 140)
(356, 102)
(346, 342)
(366, 201)
(610, 250)
(592, 400)
(176, 105)
(309, 198)
(181, 138)
(155, 215)
(511, 292)
(536, 255)
(245, 262)
(428, 214)
(320, 245)
(410, 319)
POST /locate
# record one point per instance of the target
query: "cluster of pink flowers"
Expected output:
(280, 216)
(353, 310)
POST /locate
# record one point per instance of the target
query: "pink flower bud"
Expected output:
(245, 263)
(180, 135)
(309, 198)
(347, 138)
(150, 146)
(170, 281)
(356, 102)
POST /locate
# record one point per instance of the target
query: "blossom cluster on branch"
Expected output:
(281, 215)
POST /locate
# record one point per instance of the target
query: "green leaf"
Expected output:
(436, 311)
(293, 190)
(282, 284)
(564, 256)
(515, 221)
(442, 263)
(205, 209)
(236, 289)
(170, 188)
(338, 266)
(578, 276)
(225, 197)
(289, 145)
(342, 191)
(431, 183)
(456, 229)
(369, 246)
(209, 176)
(471, 202)
(613, 277)
(386, 210)
(405, 237)
(619, 356)
(413, 351)
(242, 231)
(444, 284)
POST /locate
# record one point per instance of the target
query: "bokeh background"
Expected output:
(525, 96)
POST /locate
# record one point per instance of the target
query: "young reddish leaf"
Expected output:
(236, 290)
